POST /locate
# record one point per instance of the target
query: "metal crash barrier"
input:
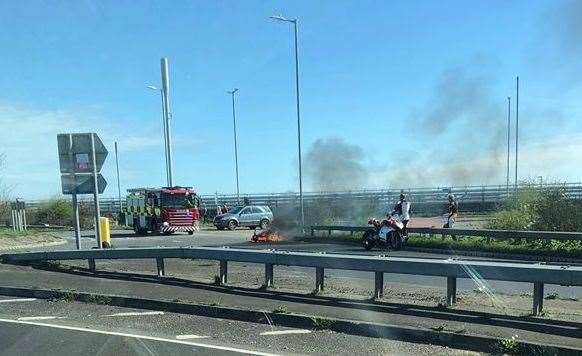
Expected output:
(451, 269)
(493, 234)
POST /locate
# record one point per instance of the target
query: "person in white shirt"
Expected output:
(402, 208)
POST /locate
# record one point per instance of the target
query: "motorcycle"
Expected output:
(386, 233)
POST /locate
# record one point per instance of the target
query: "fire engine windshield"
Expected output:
(175, 201)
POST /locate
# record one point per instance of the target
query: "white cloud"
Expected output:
(28, 139)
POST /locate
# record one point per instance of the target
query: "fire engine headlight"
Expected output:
(166, 223)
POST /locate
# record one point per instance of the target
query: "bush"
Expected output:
(531, 209)
(56, 211)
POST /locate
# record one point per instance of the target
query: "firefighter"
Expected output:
(452, 211)
(402, 208)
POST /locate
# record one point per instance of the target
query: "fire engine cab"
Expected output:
(162, 210)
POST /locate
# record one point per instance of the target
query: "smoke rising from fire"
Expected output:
(332, 164)
(458, 133)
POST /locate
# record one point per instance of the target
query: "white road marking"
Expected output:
(286, 332)
(17, 300)
(190, 336)
(24, 318)
(182, 342)
(137, 313)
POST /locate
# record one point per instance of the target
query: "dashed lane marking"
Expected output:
(286, 332)
(136, 313)
(17, 300)
(143, 337)
(26, 318)
(190, 336)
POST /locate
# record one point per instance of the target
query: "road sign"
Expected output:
(81, 157)
(81, 183)
(75, 153)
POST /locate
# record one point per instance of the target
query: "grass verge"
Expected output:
(567, 249)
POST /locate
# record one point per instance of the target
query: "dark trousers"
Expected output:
(404, 230)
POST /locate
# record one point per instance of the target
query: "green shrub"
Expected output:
(549, 209)
(56, 211)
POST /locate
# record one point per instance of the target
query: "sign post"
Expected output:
(95, 192)
(81, 157)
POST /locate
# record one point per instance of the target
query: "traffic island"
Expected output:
(32, 238)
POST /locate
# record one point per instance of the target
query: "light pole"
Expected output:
(508, 139)
(235, 144)
(516, 126)
(294, 22)
(118, 183)
(164, 123)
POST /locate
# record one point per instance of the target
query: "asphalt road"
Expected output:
(40, 327)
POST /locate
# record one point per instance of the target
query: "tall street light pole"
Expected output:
(516, 126)
(152, 87)
(295, 24)
(166, 96)
(235, 143)
(508, 140)
(118, 183)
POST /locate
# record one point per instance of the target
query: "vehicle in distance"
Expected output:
(162, 210)
(252, 216)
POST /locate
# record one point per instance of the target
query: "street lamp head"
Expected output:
(232, 91)
(152, 87)
(282, 18)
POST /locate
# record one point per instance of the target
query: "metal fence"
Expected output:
(451, 269)
(493, 234)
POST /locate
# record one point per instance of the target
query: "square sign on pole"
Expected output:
(81, 156)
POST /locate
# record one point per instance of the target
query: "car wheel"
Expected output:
(232, 225)
(264, 224)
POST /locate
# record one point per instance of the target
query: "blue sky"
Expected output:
(370, 74)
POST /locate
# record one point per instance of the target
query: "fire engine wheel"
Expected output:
(264, 224)
(190, 232)
(232, 225)
(141, 231)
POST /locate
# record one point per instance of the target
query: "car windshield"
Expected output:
(235, 210)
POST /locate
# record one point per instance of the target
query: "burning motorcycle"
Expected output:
(386, 233)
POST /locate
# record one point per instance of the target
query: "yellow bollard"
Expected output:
(105, 233)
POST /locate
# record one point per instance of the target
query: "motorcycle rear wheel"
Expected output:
(395, 240)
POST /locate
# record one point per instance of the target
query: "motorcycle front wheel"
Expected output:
(368, 244)
(368, 239)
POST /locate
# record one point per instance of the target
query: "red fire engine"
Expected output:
(162, 210)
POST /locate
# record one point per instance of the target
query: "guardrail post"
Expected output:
(92, 265)
(329, 232)
(223, 272)
(312, 232)
(451, 290)
(379, 284)
(319, 275)
(538, 298)
(268, 275)
(161, 267)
